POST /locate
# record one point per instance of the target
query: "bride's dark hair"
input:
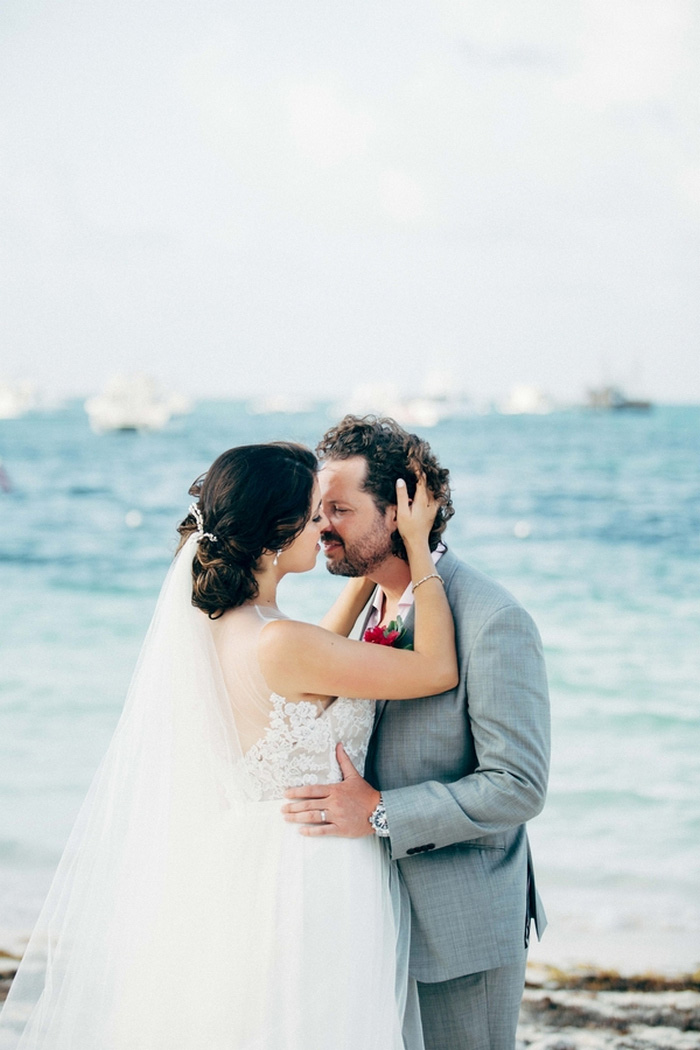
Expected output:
(253, 498)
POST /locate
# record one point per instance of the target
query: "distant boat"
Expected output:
(612, 399)
(421, 410)
(133, 403)
(280, 404)
(15, 399)
(525, 400)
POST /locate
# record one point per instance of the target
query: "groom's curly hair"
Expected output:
(390, 453)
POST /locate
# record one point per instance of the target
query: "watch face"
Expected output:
(379, 822)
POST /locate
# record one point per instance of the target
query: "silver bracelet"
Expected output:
(430, 576)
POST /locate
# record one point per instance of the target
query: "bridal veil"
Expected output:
(141, 916)
(184, 912)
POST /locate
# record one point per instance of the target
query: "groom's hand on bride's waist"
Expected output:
(333, 809)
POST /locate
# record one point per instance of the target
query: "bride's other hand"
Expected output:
(415, 518)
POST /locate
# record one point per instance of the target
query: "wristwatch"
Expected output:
(378, 820)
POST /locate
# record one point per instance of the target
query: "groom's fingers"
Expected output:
(308, 791)
(312, 800)
(301, 810)
(314, 830)
(308, 816)
(346, 766)
(311, 821)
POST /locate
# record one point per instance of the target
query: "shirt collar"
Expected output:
(406, 599)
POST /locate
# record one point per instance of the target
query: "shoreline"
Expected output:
(581, 1008)
(572, 946)
(590, 1008)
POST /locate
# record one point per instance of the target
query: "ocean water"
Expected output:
(592, 520)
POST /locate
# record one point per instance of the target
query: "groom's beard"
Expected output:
(363, 556)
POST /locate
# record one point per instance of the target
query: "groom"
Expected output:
(459, 773)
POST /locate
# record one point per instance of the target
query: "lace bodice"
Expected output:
(280, 743)
(298, 745)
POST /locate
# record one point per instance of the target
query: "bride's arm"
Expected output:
(344, 611)
(299, 658)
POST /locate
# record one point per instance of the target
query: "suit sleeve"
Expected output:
(508, 711)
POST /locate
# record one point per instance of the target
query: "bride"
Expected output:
(185, 912)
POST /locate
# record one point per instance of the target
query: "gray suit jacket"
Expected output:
(460, 774)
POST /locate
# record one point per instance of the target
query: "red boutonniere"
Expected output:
(393, 634)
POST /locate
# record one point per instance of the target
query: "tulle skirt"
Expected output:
(262, 940)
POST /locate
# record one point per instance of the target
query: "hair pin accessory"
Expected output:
(201, 534)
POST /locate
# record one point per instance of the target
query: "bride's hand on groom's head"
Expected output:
(415, 518)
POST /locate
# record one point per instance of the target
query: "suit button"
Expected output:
(431, 845)
(412, 850)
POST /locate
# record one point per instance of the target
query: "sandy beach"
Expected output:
(592, 1009)
(580, 1009)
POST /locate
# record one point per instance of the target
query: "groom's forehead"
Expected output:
(343, 477)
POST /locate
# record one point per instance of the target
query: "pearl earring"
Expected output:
(276, 557)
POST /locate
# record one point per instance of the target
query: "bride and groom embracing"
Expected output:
(270, 857)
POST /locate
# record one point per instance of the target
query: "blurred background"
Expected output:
(298, 195)
(233, 222)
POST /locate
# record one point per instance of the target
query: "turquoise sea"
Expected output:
(591, 519)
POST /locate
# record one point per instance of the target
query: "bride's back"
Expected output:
(286, 741)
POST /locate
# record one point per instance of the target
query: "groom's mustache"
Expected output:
(331, 537)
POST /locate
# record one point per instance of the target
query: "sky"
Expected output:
(249, 197)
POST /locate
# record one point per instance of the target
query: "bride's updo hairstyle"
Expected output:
(253, 499)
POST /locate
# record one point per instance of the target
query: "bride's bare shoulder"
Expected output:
(286, 648)
(284, 634)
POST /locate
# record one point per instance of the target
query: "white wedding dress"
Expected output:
(186, 914)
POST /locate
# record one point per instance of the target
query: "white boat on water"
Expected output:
(525, 400)
(133, 403)
(280, 404)
(15, 399)
(437, 402)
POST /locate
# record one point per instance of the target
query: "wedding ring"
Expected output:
(323, 816)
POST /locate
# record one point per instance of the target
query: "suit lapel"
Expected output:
(381, 704)
(370, 610)
(446, 567)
